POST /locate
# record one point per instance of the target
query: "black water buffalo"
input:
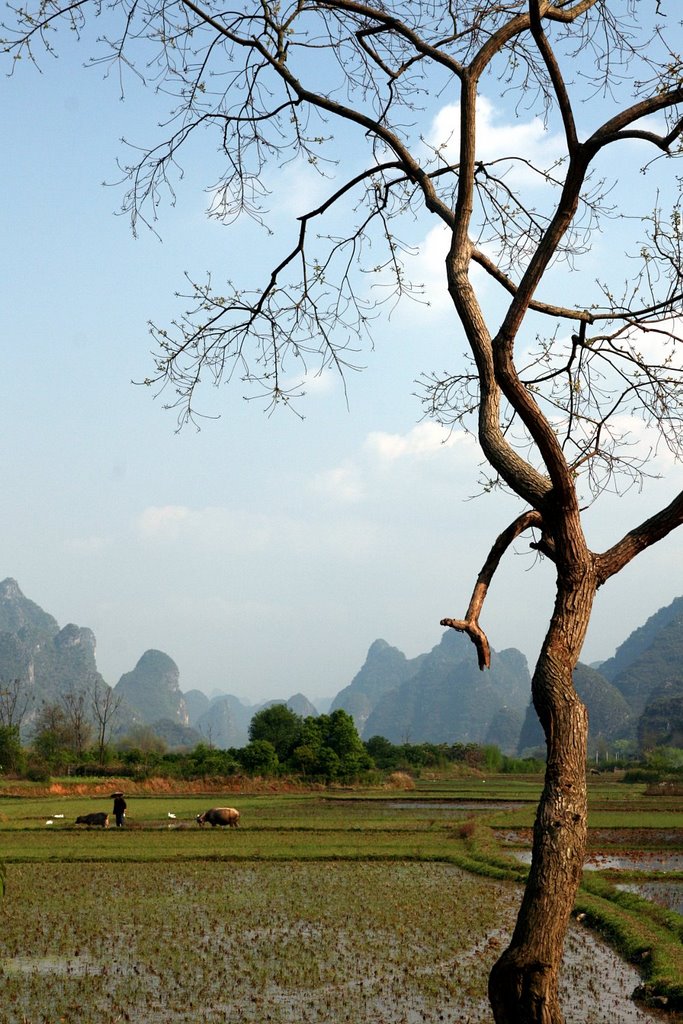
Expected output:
(220, 816)
(100, 818)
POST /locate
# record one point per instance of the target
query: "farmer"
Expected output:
(119, 809)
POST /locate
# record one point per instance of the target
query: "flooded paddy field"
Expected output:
(323, 908)
(666, 893)
(643, 860)
(289, 943)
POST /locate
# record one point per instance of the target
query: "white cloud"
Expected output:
(496, 139)
(319, 383)
(429, 269)
(643, 441)
(213, 527)
(356, 479)
(425, 439)
(299, 188)
(655, 344)
(342, 484)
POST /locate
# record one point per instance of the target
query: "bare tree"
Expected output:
(15, 697)
(76, 707)
(104, 704)
(553, 386)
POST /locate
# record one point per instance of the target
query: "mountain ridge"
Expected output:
(437, 697)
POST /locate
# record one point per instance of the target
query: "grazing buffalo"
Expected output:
(220, 816)
(100, 818)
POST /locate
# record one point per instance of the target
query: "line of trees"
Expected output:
(72, 736)
(76, 727)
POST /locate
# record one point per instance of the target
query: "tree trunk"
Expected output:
(523, 985)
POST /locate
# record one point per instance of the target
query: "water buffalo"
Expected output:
(100, 818)
(220, 816)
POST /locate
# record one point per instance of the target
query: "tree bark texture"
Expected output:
(523, 985)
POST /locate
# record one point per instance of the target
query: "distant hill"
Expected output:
(442, 697)
(175, 735)
(20, 616)
(302, 706)
(50, 661)
(661, 723)
(439, 696)
(641, 639)
(385, 669)
(196, 703)
(609, 714)
(225, 723)
(447, 699)
(153, 689)
(655, 665)
(504, 729)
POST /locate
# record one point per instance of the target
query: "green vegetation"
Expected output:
(361, 900)
(258, 942)
(643, 933)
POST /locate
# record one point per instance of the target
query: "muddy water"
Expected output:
(623, 862)
(463, 805)
(596, 986)
(668, 894)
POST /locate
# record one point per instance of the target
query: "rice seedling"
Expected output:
(322, 907)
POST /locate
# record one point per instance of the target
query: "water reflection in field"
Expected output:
(295, 943)
(464, 805)
(644, 860)
(668, 894)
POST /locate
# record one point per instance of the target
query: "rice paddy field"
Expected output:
(384, 906)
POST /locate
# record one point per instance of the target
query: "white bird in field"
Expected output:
(171, 815)
(49, 821)
(57, 815)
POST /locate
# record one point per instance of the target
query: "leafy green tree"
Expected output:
(328, 766)
(12, 756)
(53, 737)
(280, 726)
(341, 736)
(493, 759)
(665, 759)
(306, 757)
(385, 754)
(331, 748)
(259, 758)
(204, 760)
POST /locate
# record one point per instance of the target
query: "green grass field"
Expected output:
(349, 905)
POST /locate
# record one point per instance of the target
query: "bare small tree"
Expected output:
(561, 368)
(15, 698)
(104, 704)
(76, 708)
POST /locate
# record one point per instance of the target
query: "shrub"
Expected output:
(38, 770)
(401, 780)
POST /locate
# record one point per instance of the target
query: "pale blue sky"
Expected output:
(264, 554)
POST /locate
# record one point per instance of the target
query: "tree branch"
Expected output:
(470, 624)
(641, 537)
